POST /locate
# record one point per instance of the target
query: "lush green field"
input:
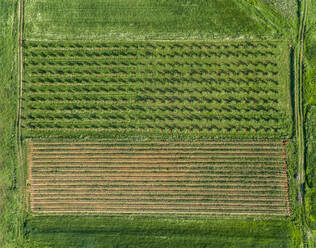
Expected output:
(151, 20)
(10, 214)
(157, 89)
(159, 232)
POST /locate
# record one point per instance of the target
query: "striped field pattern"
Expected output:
(162, 89)
(242, 177)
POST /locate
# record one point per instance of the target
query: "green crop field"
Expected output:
(152, 89)
(156, 123)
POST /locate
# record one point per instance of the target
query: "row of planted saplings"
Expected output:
(161, 79)
(202, 62)
(158, 71)
(232, 126)
(156, 98)
(150, 53)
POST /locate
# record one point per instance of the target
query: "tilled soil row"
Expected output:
(154, 181)
(165, 204)
(156, 155)
(162, 190)
(120, 166)
(153, 200)
(150, 162)
(153, 143)
(159, 175)
(46, 170)
(185, 197)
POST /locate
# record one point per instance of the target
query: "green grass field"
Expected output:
(10, 213)
(158, 232)
(149, 20)
(156, 71)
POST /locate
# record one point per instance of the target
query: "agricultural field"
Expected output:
(154, 123)
(152, 89)
(121, 20)
(161, 177)
(56, 231)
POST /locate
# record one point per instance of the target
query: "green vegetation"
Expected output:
(287, 8)
(284, 10)
(310, 120)
(152, 232)
(172, 90)
(88, 85)
(10, 213)
(310, 57)
(311, 168)
(151, 20)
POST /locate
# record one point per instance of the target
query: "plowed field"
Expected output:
(243, 177)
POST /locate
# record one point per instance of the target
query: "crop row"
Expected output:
(98, 131)
(148, 122)
(206, 97)
(167, 53)
(156, 112)
(158, 116)
(177, 70)
(157, 49)
(76, 106)
(151, 45)
(179, 147)
(125, 72)
(143, 170)
(64, 62)
(161, 79)
(113, 130)
(125, 143)
(150, 86)
(140, 89)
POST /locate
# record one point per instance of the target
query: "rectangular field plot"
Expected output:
(242, 177)
(143, 20)
(156, 89)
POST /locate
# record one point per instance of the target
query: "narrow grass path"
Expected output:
(300, 112)
(20, 170)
